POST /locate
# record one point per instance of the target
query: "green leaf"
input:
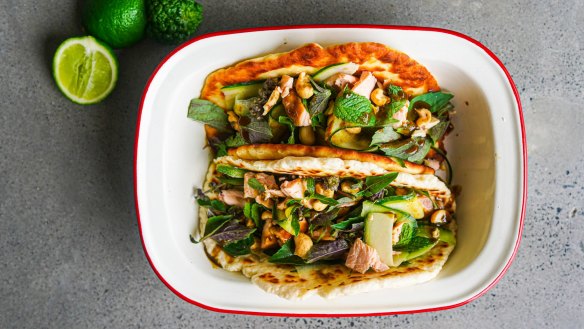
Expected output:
(319, 101)
(239, 248)
(376, 184)
(231, 171)
(212, 204)
(385, 135)
(399, 161)
(340, 226)
(415, 243)
(406, 235)
(424, 145)
(231, 180)
(213, 225)
(256, 214)
(295, 223)
(435, 101)
(396, 92)
(285, 255)
(255, 184)
(324, 199)
(438, 130)
(318, 120)
(221, 150)
(395, 106)
(288, 122)
(256, 132)
(235, 141)
(208, 113)
(247, 210)
(310, 187)
(352, 107)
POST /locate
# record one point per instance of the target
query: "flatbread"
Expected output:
(281, 151)
(296, 282)
(382, 61)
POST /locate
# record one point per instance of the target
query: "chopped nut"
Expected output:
(303, 244)
(317, 205)
(320, 189)
(349, 187)
(266, 215)
(303, 87)
(378, 97)
(439, 217)
(233, 119)
(354, 130)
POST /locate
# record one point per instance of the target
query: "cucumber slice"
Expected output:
(242, 90)
(241, 106)
(339, 137)
(417, 247)
(445, 235)
(328, 71)
(411, 206)
(377, 234)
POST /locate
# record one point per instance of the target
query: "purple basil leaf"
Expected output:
(327, 250)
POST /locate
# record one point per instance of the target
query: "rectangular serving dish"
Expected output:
(487, 150)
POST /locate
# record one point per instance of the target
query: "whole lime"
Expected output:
(120, 23)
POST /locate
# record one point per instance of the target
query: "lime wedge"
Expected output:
(85, 70)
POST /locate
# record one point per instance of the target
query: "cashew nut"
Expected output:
(303, 87)
(378, 97)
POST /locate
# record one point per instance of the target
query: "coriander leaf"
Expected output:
(341, 226)
(436, 101)
(255, 131)
(288, 122)
(396, 92)
(235, 141)
(256, 185)
(385, 135)
(285, 255)
(208, 113)
(352, 107)
(376, 184)
(438, 130)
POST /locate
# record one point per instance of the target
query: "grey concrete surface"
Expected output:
(70, 252)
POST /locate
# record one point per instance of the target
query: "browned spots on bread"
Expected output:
(280, 151)
(410, 74)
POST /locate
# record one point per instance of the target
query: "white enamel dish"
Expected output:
(487, 150)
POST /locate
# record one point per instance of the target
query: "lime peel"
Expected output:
(85, 70)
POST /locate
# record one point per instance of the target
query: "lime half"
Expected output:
(85, 70)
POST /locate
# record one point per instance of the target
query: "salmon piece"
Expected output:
(361, 257)
(232, 198)
(296, 109)
(286, 83)
(401, 115)
(267, 181)
(340, 80)
(365, 85)
(294, 189)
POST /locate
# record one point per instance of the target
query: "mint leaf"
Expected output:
(208, 113)
(354, 108)
(239, 248)
(376, 184)
(255, 131)
(310, 186)
(231, 171)
(256, 185)
(385, 135)
(213, 225)
(416, 243)
(413, 150)
(434, 101)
